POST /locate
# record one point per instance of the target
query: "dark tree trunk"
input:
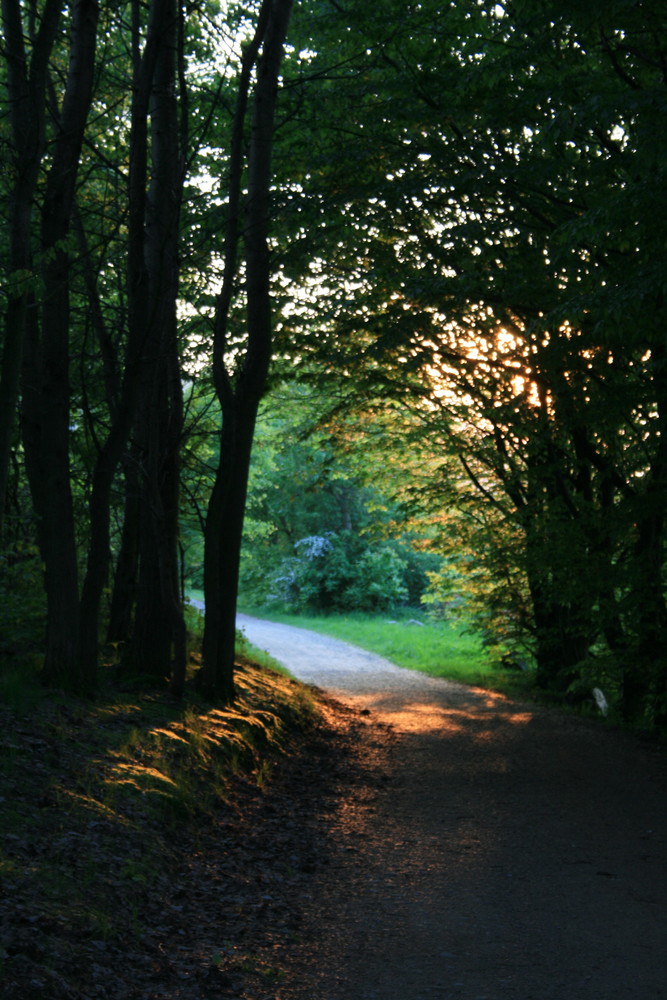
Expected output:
(124, 589)
(46, 397)
(643, 686)
(99, 554)
(224, 530)
(26, 86)
(46, 414)
(562, 645)
(158, 640)
(240, 394)
(562, 616)
(126, 576)
(121, 401)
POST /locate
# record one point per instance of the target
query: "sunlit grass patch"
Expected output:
(96, 796)
(185, 763)
(438, 648)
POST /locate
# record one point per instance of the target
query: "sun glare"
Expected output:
(498, 361)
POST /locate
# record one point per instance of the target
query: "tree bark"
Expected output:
(26, 87)
(46, 397)
(222, 555)
(124, 589)
(240, 394)
(158, 640)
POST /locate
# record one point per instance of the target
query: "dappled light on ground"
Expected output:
(478, 718)
(488, 854)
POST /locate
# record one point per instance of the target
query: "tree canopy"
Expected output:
(444, 222)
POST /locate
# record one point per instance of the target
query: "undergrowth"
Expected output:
(95, 795)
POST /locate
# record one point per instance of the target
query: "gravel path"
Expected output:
(492, 850)
(345, 671)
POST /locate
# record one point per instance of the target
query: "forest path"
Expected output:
(485, 849)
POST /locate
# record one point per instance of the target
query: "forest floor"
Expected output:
(450, 844)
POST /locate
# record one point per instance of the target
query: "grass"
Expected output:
(440, 649)
(245, 651)
(437, 648)
(96, 796)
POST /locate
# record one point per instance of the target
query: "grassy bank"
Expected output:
(440, 649)
(99, 802)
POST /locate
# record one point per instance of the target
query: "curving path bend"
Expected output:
(353, 675)
(499, 851)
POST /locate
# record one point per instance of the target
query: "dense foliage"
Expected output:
(503, 281)
(113, 113)
(323, 532)
(462, 257)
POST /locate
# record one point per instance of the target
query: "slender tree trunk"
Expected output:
(121, 402)
(240, 397)
(124, 589)
(224, 530)
(158, 641)
(26, 86)
(126, 577)
(46, 372)
(563, 624)
(643, 685)
(99, 553)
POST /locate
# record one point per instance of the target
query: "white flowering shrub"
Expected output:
(340, 572)
(315, 546)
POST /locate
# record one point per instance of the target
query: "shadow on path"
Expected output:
(492, 851)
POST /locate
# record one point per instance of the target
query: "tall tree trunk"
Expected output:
(644, 682)
(240, 395)
(26, 86)
(99, 554)
(158, 641)
(224, 530)
(645, 664)
(46, 372)
(124, 589)
(121, 399)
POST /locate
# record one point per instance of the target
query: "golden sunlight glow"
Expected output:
(89, 802)
(523, 386)
(129, 774)
(497, 361)
(480, 717)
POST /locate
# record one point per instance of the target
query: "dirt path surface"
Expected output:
(477, 848)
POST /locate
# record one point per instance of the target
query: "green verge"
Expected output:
(99, 799)
(438, 648)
